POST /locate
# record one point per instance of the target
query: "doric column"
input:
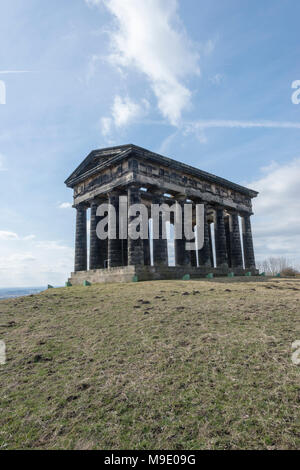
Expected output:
(204, 254)
(81, 239)
(182, 255)
(114, 242)
(179, 235)
(146, 247)
(160, 246)
(135, 247)
(147, 255)
(248, 242)
(228, 239)
(193, 258)
(98, 247)
(220, 238)
(193, 253)
(95, 242)
(235, 241)
(124, 245)
(105, 253)
(211, 247)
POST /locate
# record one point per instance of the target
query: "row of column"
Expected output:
(114, 251)
(117, 252)
(228, 246)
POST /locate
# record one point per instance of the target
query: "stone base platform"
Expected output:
(151, 273)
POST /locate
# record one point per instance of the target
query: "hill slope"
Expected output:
(160, 365)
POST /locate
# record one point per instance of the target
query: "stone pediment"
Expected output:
(95, 159)
(100, 159)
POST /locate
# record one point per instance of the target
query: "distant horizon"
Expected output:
(215, 85)
(27, 287)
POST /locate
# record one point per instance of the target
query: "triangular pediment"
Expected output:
(94, 159)
(97, 159)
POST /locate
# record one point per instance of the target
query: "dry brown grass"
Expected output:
(160, 365)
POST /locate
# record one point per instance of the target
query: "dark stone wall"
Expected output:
(205, 253)
(220, 235)
(135, 247)
(182, 256)
(160, 246)
(161, 176)
(98, 248)
(235, 242)
(114, 244)
(228, 241)
(248, 242)
(147, 251)
(81, 239)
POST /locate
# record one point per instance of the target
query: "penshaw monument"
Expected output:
(111, 181)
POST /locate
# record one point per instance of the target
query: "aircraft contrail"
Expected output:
(6, 72)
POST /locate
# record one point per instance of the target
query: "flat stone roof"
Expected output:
(101, 158)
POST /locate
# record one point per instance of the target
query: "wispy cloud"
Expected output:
(206, 124)
(6, 235)
(148, 36)
(198, 127)
(276, 224)
(166, 143)
(217, 79)
(6, 72)
(92, 65)
(65, 205)
(124, 111)
(106, 124)
(51, 245)
(17, 258)
(29, 237)
(50, 261)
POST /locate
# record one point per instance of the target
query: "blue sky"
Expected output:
(207, 83)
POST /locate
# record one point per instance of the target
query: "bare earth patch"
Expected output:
(160, 365)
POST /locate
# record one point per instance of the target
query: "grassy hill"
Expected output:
(160, 365)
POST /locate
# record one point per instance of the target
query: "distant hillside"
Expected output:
(160, 365)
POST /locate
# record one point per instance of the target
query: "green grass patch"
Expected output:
(152, 365)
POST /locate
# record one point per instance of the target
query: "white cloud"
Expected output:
(18, 257)
(124, 112)
(27, 262)
(4, 235)
(208, 46)
(167, 142)
(51, 245)
(198, 127)
(7, 72)
(65, 205)
(106, 126)
(93, 2)
(276, 223)
(92, 65)
(29, 237)
(149, 37)
(215, 123)
(217, 79)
